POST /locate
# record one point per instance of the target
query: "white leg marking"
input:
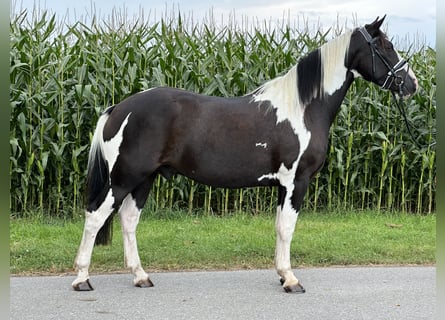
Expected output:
(285, 226)
(93, 221)
(286, 217)
(129, 214)
(111, 147)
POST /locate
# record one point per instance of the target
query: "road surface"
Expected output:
(331, 293)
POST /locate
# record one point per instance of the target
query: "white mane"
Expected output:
(333, 68)
(283, 93)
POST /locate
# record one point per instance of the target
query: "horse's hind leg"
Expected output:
(94, 220)
(129, 214)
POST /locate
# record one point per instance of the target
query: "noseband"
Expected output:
(391, 76)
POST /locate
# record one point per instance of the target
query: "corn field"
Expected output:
(63, 75)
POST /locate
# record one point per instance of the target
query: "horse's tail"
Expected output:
(98, 179)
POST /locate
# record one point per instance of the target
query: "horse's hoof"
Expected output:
(83, 286)
(295, 288)
(281, 281)
(145, 283)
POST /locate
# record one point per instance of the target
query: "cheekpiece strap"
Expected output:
(366, 35)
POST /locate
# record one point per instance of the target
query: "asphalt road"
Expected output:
(331, 293)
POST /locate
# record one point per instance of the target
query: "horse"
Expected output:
(276, 135)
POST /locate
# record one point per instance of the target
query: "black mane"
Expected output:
(309, 76)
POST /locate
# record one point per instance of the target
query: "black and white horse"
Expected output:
(275, 136)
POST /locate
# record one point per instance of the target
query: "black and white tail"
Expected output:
(98, 178)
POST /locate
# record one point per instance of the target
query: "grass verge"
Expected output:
(176, 241)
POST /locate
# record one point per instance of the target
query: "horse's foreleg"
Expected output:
(287, 215)
(285, 225)
(129, 214)
(93, 222)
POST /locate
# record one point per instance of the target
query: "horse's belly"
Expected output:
(228, 168)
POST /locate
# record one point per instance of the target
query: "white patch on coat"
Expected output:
(261, 144)
(282, 93)
(146, 90)
(111, 147)
(356, 74)
(284, 175)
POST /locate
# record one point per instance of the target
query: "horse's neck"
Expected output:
(323, 83)
(325, 107)
(333, 102)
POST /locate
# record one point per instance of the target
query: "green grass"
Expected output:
(177, 241)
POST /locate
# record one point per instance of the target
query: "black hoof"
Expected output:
(281, 281)
(83, 286)
(297, 288)
(144, 283)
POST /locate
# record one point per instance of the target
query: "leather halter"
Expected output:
(391, 76)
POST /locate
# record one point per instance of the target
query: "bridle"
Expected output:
(391, 76)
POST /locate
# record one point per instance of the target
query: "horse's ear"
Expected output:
(374, 27)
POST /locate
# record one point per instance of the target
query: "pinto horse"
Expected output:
(275, 136)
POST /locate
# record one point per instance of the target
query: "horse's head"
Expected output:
(373, 56)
